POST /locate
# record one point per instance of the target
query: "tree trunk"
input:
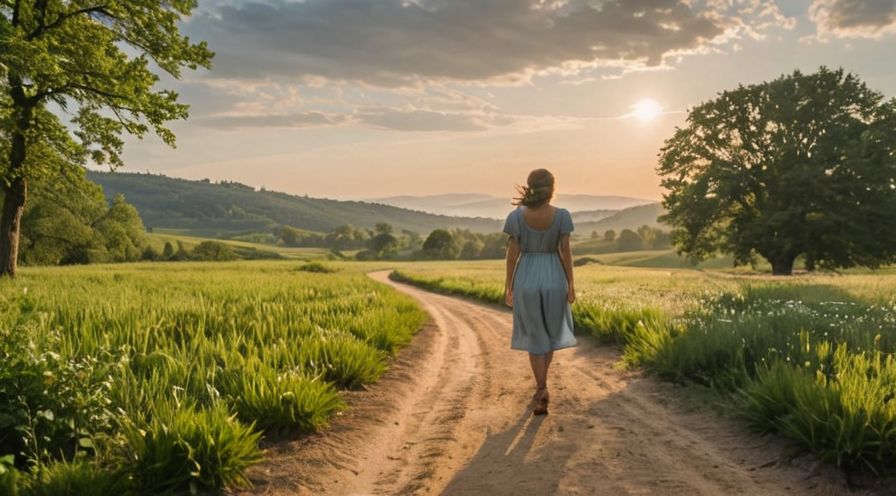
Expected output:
(14, 197)
(810, 263)
(15, 189)
(782, 265)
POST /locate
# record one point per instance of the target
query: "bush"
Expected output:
(78, 478)
(316, 267)
(184, 450)
(280, 403)
(51, 406)
(213, 251)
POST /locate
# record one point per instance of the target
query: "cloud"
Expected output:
(399, 43)
(853, 18)
(294, 120)
(421, 120)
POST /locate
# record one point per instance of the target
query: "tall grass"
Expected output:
(172, 372)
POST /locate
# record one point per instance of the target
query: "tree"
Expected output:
(440, 244)
(383, 244)
(629, 240)
(610, 236)
(801, 165)
(90, 59)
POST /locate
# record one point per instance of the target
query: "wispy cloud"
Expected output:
(853, 18)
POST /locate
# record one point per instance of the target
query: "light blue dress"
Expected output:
(542, 318)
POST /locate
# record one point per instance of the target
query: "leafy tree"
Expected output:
(802, 165)
(213, 251)
(440, 244)
(610, 236)
(68, 221)
(168, 251)
(90, 59)
(470, 250)
(629, 241)
(122, 232)
(383, 244)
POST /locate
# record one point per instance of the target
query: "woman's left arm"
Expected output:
(566, 259)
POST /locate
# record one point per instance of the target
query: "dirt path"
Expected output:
(452, 416)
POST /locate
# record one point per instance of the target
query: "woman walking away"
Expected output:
(539, 284)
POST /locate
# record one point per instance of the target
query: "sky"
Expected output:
(356, 99)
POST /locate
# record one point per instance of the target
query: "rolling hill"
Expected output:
(482, 205)
(203, 208)
(629, 218)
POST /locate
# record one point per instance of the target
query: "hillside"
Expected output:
(481, 205)
(202, 208)
(629, 218)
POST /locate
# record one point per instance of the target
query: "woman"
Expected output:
(539, 284)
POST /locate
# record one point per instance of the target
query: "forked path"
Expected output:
(453, 417)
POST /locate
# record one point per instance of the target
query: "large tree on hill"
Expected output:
(804, 165)
(89, 60)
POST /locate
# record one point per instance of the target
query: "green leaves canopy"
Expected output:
(802, 165)
(91, 59)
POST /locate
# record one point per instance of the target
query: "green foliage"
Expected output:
(142, 370)
(81, 478)
(440, 245)
(629, 241)
(50, 405)
(184, 450)
(316, 267)
(69, 222)
(93, 62)
(280, 403)
(802, 165)
(213, 251)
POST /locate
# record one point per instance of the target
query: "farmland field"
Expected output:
(163, 377)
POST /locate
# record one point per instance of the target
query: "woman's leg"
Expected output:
(539, 365)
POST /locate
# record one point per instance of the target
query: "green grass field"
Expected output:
(163, 376)
(809, 357)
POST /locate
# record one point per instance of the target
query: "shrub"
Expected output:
(182, 449)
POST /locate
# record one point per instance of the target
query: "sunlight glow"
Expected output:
(646, 110)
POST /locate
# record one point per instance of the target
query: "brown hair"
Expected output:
(539, 189)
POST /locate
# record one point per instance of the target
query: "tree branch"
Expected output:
(42, 28)
(15, 13)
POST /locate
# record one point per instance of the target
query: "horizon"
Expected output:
(357, 100)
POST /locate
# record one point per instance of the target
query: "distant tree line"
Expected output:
(643, 238)
(206, 251)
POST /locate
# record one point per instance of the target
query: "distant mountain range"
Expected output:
(222, 210)
(482, 205)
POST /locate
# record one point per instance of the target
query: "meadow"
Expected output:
(808, 357)
(163, 377)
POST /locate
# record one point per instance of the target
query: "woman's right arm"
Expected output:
(513, 255)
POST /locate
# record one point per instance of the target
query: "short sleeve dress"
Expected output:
(542, 318)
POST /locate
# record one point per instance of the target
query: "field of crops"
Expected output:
(160, 378)
(808, 357)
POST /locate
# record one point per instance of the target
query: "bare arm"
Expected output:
(513, 255)
(566, 259)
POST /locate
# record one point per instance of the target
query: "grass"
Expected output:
(809, 357)
(169, 373)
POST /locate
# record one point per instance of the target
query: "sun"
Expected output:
(646, 110)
